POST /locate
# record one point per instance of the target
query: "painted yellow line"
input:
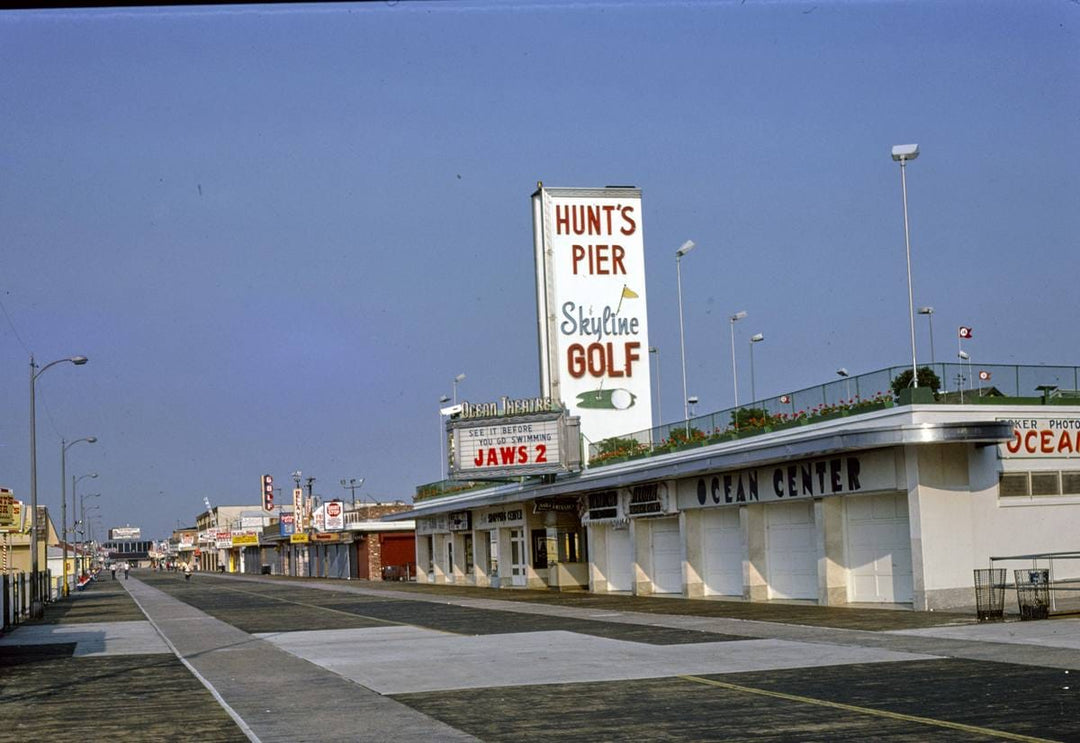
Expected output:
(973, 729)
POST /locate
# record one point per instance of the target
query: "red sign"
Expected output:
(965, 332)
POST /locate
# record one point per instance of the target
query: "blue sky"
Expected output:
(279, 232)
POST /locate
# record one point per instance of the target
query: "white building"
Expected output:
(895, 505)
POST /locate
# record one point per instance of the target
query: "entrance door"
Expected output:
(879, 549)
(450, 558)
(517, 557)
(792, 550)
(666, 542)
(619, 567)
(723, 552)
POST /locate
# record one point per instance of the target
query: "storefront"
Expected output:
(895, 506)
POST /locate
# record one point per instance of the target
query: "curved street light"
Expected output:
(734, 374)
(903, 153)
(685, 248)
(63, 499)
(82, 516)
(37, 607)
(755, 338)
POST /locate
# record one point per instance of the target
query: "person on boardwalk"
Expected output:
(112, 569)
(187, 571)
(127, 569)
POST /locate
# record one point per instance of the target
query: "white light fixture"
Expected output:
(741, 314)
(755, 338)
(929, 312)
(683, 250)
(902, 153)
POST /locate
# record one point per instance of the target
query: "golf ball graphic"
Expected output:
(621, 399)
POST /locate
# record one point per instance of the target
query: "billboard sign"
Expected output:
(245, 538)
(268, 492)
(298, 508)
(7, 508)
(287, 525)
(335, 516)
(512, 446)
(125, 532)
(593, 324)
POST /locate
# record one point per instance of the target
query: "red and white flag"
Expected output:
(984, 376)
(965, 332)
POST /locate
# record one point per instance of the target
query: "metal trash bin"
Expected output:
(1033, 593)
(990, 594)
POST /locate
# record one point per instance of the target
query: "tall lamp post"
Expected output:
(37, 607)
(442, 437)
(755, 338)
(63, 499)
(87, 532)
(902, 153)
(659, 400)
(352, 485)
(457, 380)
(691, 402)
(82, 515)
(843, 372)
(685, 248)
(929, 312)
(734, 374)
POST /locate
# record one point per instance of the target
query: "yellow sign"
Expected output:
(301, 538)
(16, 524)
(241, 538)
(7, 507)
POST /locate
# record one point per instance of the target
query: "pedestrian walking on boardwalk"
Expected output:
(112, 568)
(127, 568)
(187, 571)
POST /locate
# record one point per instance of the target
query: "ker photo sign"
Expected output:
(590, 289)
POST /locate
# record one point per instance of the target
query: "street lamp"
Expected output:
(685, 248)
(442, 438)
(844, 373)
(37, 608)
(458, 379)
(902, 153)
(755, 338)
(63, 499)
(734, 374)
(964, 356)
(352, 485)
(691, 402)
(659, 400)
(929, 312)
(82, 514)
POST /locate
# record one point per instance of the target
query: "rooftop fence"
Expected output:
(960, 384)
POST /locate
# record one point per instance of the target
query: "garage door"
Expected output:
(620, 560)
(879, 549)
(723, 552)
(792, 550)
(666, 555)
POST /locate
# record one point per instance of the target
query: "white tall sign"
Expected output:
(594, 340)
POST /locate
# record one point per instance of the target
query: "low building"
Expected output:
(860, 502)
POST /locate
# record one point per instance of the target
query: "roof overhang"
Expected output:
(891, 428)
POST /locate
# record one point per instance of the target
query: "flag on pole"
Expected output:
(984, 376)
(628, 293)
(965, 332)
